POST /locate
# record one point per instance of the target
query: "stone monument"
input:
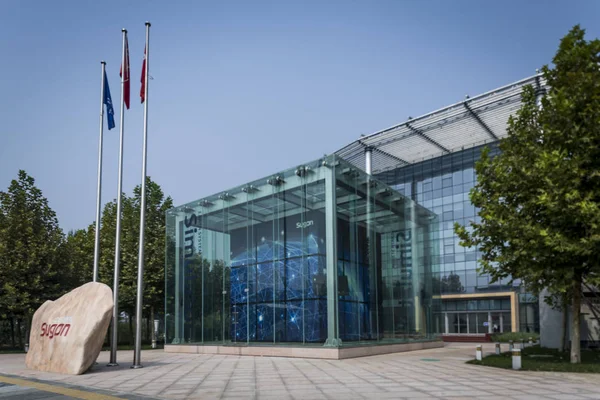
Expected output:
(67, 334)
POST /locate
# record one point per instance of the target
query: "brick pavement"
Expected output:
(435, 373)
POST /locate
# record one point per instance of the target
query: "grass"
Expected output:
(536, 358)
(515, 337)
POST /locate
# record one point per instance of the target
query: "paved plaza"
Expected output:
(14, 388)
(435, 373)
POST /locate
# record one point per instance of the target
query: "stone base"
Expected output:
(330, 353)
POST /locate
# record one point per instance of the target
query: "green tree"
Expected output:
(154, 244)
(107, 243)
(539, 199)
(154, 249)
(33, 253)
(80, 248)
(106, 266)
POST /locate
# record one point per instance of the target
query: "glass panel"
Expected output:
(495, 322)
(171, 265)
(471, 280)
(529, 317)
(495, 304)
(354, 288)
(472, 305)
(462, 320)
(482, 281)
(231, 253)
(385, 268)
(482, 323)
(472, 323)
(439, 324)
(506, 322)
(453, 324)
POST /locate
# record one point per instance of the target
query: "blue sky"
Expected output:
(244, 89)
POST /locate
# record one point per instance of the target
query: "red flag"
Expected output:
(143, 79)
(124, 73)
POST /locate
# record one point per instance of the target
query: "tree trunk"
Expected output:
(20, 335)
(575, 326)
(130, 330)
(152, 333)
(28, 321)
(12, 332)
(565, 323)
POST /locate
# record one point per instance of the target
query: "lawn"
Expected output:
(536, 358)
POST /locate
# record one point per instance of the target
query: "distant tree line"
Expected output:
(39, 262)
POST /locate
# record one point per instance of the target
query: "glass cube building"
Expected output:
(320, 254)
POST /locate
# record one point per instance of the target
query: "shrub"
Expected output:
(515, 337)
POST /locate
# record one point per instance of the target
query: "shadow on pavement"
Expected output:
(125, 366)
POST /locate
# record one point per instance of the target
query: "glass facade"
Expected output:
(442, 185)
(319, 254)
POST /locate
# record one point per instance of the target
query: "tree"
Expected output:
(107, 243)
(157, 206)
(38, 263)
(33, 255)
(154, 249)
(539, 199)
(80, 248)
(154, 244)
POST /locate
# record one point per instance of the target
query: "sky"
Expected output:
(241, 90)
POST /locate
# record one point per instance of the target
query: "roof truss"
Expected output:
(469, 123)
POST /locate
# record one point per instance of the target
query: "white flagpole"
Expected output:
(140, 280)
(99, 189)
(115, 317)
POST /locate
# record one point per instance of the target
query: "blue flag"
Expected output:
(110, 112)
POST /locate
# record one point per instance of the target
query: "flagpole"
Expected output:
(140, 280)
(99, 188)
(115, 317)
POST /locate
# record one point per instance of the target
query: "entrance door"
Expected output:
(496, 323)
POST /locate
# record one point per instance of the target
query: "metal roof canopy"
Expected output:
(475, 121)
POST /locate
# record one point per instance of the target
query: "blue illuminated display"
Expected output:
(278, 287)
